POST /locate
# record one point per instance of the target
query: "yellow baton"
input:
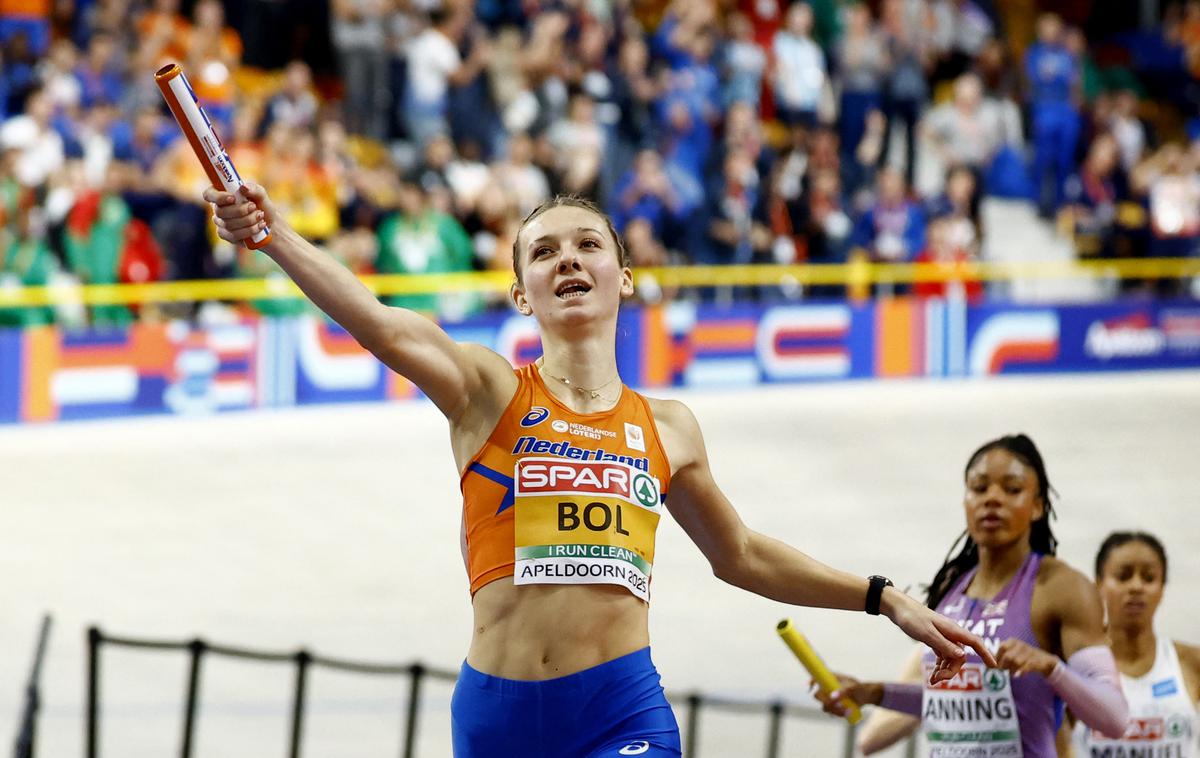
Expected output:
(824, 678)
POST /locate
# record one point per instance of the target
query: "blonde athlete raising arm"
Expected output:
(565, 473)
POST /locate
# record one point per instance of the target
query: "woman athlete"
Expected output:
(564, 474)
(1041, 617)
(1161, 678)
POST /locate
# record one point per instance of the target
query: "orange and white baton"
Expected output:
(192, 119)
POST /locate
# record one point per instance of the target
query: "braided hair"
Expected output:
(1041, 538)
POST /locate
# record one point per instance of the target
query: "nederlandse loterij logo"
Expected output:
(537, 414)
(559, 425)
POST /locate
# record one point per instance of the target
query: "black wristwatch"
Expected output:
(875, 592)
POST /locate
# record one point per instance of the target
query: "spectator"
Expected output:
(798, 69)
(524, 182)
(434, 65)
(103, 243)
(634, 93)
(744, 63)
(862, 62)
(58, 78)
(1174, 200)
(738, 228)
(742, 132)
(1053, 75)
(1093, 197)
(579, 142)
(26, 260)
(961, 31)
(214, 52)
(361, 43)
(99, 74)
(647, 193)
(943, 249)
(958, 209)
(905, 88)
(892, 230)
(162, 34)
(37, 146)
(822, 216)
(303, 192)
(968, 131)
(1127, 128)
(418, 239)
(294, 104)
(18, 75)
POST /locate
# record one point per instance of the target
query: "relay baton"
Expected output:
(824, 678)
(181, 99)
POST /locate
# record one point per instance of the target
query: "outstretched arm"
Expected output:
(768, 567)
(452, 375)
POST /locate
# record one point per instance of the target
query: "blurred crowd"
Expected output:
(412, 136)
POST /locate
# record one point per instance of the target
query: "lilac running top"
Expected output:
(1007, 615)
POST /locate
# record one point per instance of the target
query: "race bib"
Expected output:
(585, 522)
(972, 715)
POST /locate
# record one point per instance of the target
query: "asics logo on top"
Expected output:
(635, 748)
(537, 414)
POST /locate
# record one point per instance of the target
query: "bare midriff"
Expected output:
(543, 631)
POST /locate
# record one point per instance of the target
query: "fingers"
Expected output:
(218, 197)
(961, 636)
(240, 221)
(252, 191)
(1020, 658)
(945, 669)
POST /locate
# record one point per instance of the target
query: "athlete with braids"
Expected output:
(565, 473)
(1161, 678)
(1042, 619)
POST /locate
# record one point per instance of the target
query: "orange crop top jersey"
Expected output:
(558, 497)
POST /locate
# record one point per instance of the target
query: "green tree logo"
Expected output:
(994, 679)
(645, 491)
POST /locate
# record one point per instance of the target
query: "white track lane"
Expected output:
(337, 528)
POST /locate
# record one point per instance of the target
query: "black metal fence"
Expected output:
(27, 721)
(692, 705)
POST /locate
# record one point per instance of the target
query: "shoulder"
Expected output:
(1189, 657)
(494, 370)
(679, 432)
(1061, 578)
(1067, 592)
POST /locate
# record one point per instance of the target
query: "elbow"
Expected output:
(732, 564)
(1115, 721)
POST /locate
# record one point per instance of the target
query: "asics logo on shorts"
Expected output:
(635, 748)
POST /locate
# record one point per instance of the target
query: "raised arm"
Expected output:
(452, 375)
(755, 562)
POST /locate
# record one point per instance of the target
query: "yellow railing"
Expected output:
(854, 275)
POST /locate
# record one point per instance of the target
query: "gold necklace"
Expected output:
(594, 392)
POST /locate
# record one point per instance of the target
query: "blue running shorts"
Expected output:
(608, 711)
